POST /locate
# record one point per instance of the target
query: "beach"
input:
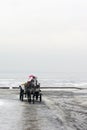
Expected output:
(60, 109)
(43, 52)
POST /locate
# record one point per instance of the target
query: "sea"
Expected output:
(46, 79)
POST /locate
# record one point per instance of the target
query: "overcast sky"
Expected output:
(43, 35)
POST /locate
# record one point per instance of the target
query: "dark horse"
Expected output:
(29, 90)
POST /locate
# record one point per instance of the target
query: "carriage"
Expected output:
(31, 90)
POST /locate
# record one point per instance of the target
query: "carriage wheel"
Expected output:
(37, 96)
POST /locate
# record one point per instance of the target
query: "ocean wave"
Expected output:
(43, 83)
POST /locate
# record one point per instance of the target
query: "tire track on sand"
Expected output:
(57, 112)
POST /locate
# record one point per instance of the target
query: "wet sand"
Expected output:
(62, 109)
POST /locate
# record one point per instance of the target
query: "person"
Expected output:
(21, 87)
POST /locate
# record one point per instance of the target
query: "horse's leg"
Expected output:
(33, 97)
(29, 96)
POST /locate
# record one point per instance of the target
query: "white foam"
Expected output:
(47, 80)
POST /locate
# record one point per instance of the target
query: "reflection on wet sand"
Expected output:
(29, 117)
(59, 110)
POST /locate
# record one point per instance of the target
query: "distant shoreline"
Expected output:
(46, 88)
